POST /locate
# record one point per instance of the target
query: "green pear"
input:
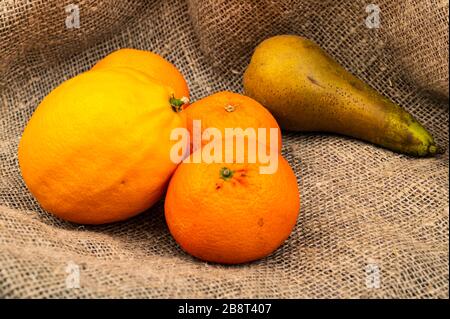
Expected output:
(306, 90)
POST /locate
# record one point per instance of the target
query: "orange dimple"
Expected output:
(232, 110)
(229, 212)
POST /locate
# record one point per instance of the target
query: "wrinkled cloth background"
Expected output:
(367, 214)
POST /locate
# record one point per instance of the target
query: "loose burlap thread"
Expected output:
(372, 223)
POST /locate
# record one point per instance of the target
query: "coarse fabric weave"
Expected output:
(373, 223)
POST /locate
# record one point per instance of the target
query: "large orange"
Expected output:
(229, 212)
(97, 148)
(151, 64)
(226, 109)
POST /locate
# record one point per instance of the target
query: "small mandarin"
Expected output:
(229, 212)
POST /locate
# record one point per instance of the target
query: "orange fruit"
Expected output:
(97, 148)
(149, 63)
(231, 110)
(229, 212)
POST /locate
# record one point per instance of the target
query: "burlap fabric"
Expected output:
(372, 223)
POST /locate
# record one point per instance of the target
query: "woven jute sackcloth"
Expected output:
(373, 223)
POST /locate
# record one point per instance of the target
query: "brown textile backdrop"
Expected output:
(366, 211)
